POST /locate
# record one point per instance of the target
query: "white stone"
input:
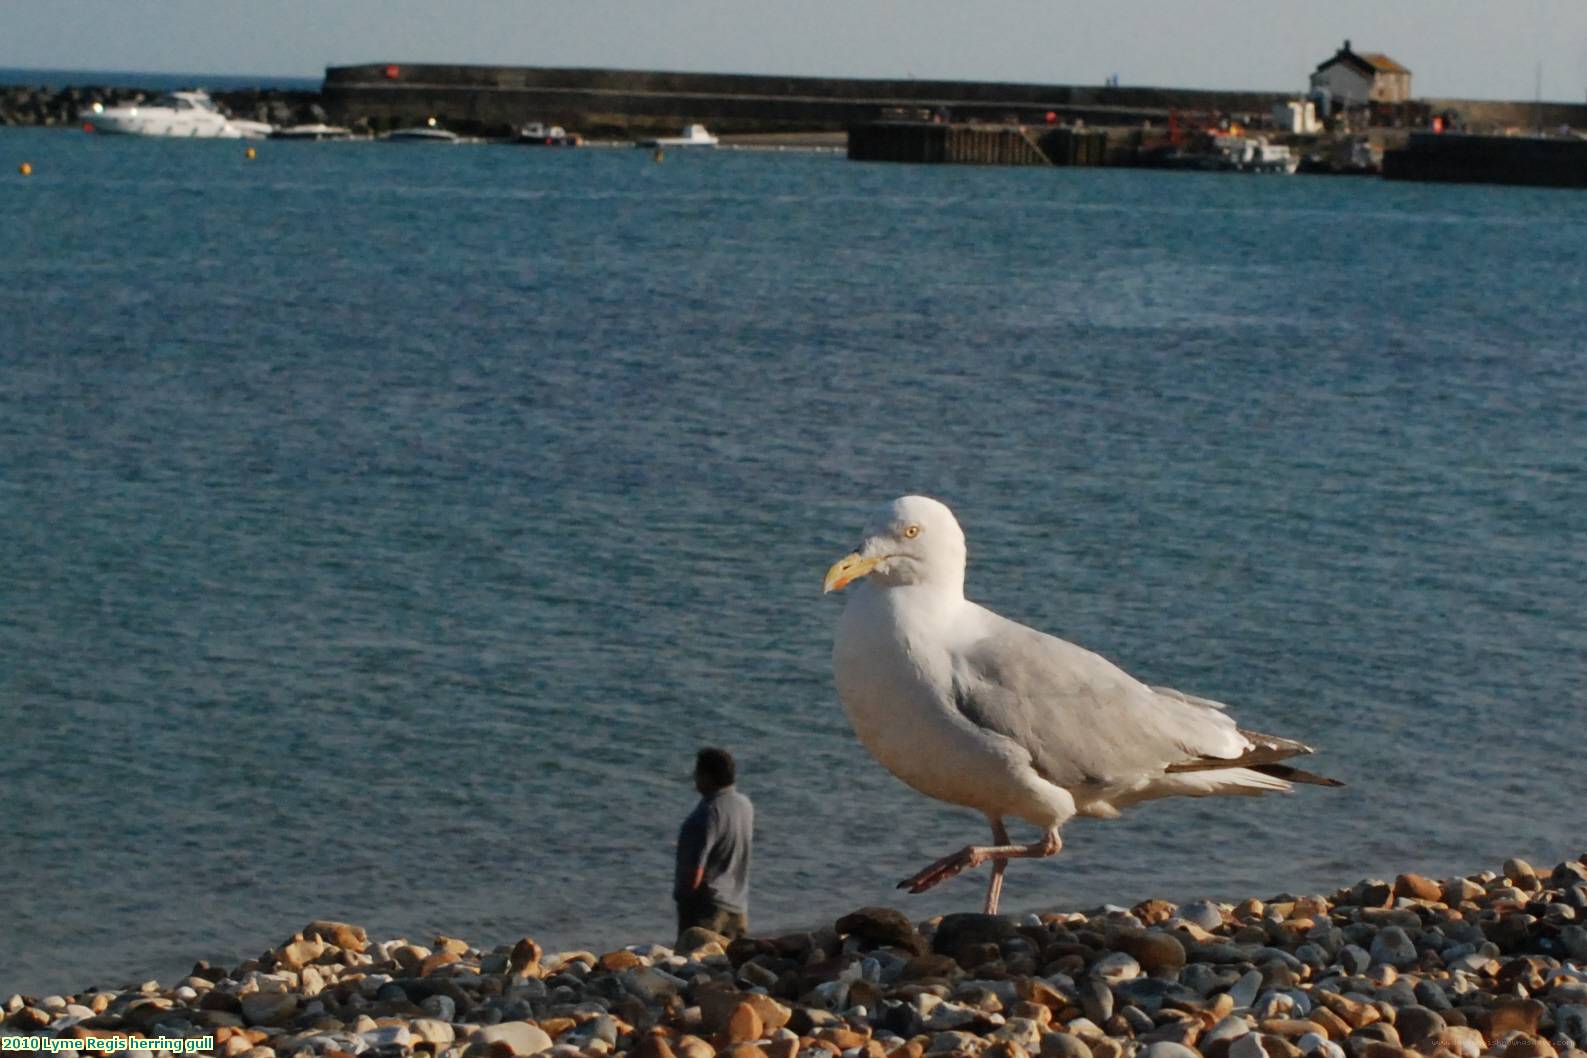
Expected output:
(1083, 1027)
(275, 984)
(946, 1016)
(1203, 913)
(1023, 1031)
(1116, 966)
(1231, 1027)
(373, 983)
(388, 1036)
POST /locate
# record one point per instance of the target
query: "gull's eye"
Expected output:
(910, 532)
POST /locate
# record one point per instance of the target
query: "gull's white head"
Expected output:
(913, 540)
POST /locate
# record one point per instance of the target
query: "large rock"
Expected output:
(432, 1030)
(297, 954)
(1514, 1014)
(743, 1025)
(1415, 887)
(696, 937)
(959, 933)
(519, 1037)
(344, 936)
(524, 959)
(1417, 1023)
(268, 1008)
(882, 925)
(1393, 946)
(1157, 952)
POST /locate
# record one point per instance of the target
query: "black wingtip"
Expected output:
(1284, 771)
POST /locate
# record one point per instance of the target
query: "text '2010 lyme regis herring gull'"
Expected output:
(977, 710)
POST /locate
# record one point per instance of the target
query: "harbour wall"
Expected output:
(618, 102)
(1457, 158)
(622, 103)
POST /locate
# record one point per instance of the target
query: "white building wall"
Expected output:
(1298, 115)
(1346, 86)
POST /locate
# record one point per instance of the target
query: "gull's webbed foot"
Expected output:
(945, 868)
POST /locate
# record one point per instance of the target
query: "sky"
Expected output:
(1480, 49)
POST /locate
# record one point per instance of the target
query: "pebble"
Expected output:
(1202, 913)
(1394, 947)
(1243, 992)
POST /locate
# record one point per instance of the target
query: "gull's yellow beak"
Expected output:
(850, 567)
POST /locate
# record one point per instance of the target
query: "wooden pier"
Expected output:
(945, 143)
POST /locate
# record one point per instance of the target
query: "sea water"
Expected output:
(383, 527)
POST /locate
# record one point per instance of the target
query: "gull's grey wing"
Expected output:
(1085, 721)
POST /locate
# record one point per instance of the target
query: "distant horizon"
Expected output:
(264, 80)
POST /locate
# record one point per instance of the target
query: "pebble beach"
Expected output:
(1490, 964)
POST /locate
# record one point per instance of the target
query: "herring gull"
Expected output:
(974, 709)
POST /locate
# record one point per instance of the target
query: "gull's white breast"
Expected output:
(893, 662)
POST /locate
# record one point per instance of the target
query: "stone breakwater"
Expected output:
(1493, 964)
(27, 105)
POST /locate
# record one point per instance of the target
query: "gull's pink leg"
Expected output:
(975, 855)
(994, 886)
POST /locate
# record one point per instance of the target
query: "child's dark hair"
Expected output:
(716, 766)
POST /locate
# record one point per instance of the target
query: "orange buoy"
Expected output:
(251, 154)
(26, 168)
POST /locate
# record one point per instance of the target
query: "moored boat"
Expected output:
(693, 136)
(536, 134)
(184, 115)
(422, 134)
(312, 132)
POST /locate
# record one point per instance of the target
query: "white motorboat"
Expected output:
(191, 115)
(429, 132)
(312, 132)
(693, 136)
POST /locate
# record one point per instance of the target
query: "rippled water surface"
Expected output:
(382, 526)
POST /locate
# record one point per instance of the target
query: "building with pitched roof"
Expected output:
(1353, 79)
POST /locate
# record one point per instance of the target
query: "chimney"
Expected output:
(1347, 45)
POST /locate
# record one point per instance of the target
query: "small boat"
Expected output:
(693, 136)
(422, 134)
(1251, 154)
(187, 115)
(312, 132)
(1355, 158)
(535, 134)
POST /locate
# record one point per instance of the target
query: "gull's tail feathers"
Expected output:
(1262, 756)
(1225, 782)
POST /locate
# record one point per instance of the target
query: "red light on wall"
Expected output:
(393, 72)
